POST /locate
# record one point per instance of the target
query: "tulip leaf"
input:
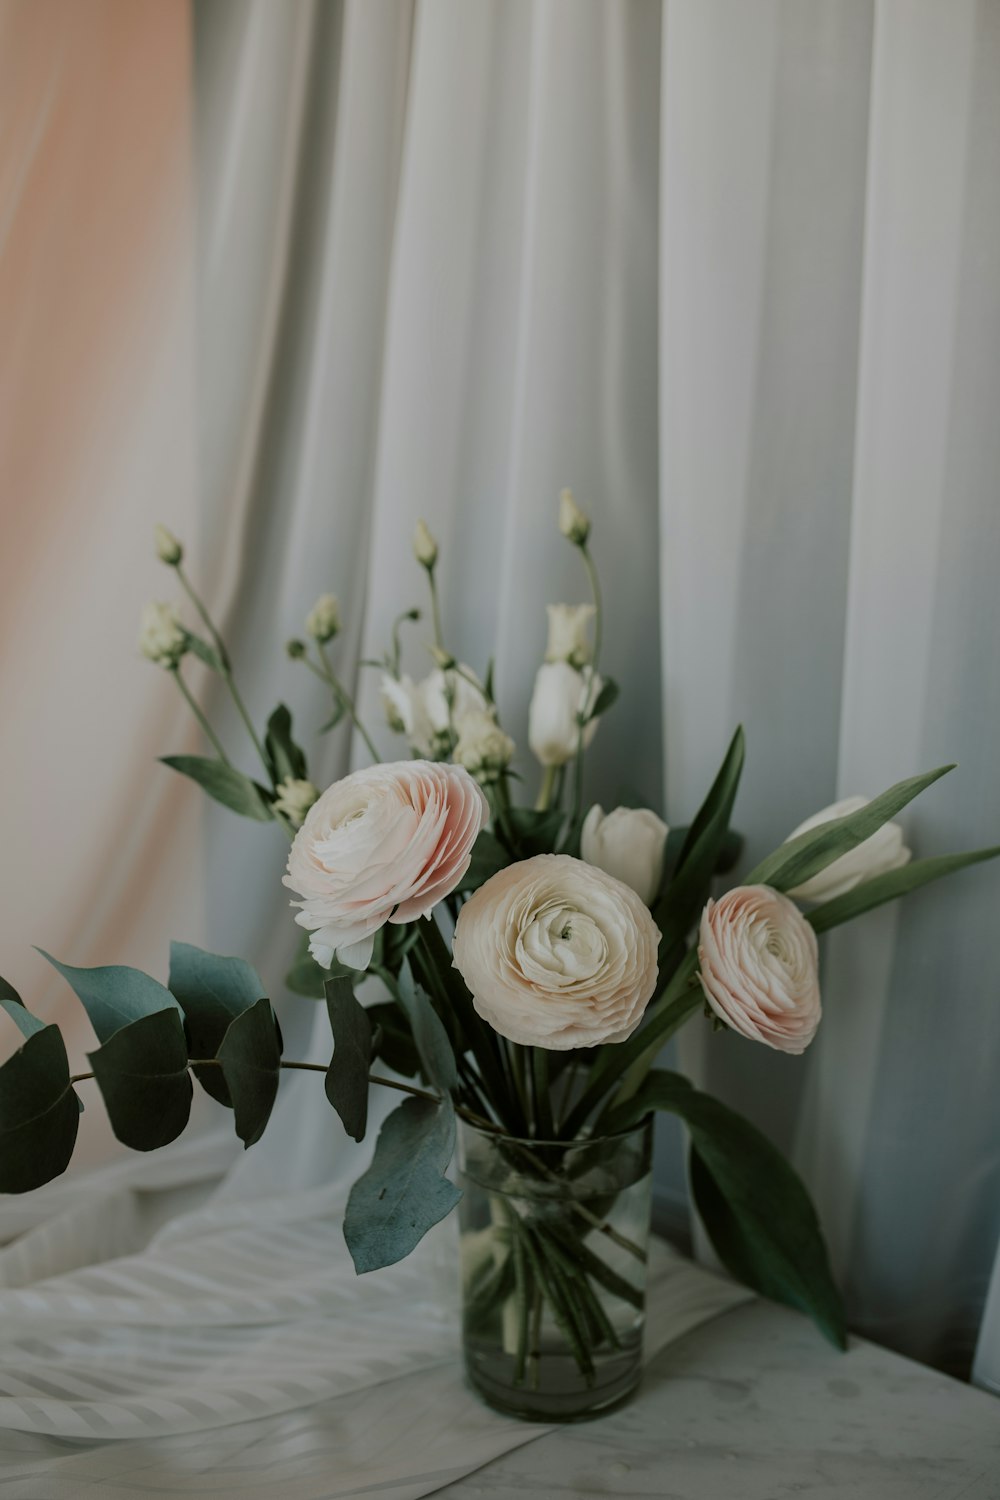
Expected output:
(488, 857)
(797, 860)
(114, 996)
(891, 885)
(536, 831)
(347, 1075)
(250, 1056)
(429, 1034)
(755, 1208)
(39, 1110)
(286, 759)
(404, 1192)
(225, 784)
(678, 909)
(205, 652)
(142, 1073)
(606, 698)
(212, 990)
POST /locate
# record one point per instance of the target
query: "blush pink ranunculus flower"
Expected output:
(557, 954)
(759, 967)
(385, 844)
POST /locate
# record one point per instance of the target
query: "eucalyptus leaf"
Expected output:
(142, 1073)
(212, 990)
(891, 885)
(347, 1075)
(114, 996)
(429, 1034)
(11, 1002)
(287, 760)
(404, 1192)
(205, 653)
(250, 1056)
(797, 860)
(39, 1110)
(225, 784)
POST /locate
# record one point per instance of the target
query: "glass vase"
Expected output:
(554, 1240)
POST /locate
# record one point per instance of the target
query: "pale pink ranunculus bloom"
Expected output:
(557, 954)
(385, 844)
(759, 967)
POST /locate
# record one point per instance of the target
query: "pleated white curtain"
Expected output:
(732, 273)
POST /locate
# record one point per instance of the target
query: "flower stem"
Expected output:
(548, 785)
(199, 715)
(343, 697)
(595, 589)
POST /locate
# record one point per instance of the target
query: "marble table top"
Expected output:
(754, 1406)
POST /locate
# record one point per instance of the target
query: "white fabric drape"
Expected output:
(730, 272)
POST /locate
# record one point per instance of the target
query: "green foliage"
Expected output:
(796, 861)
(436, 1053)
(250, 1057)
(606, 698)
(39, 1111)
(212, 991)
(392, 1041)
(404, 1192)
(285, 758)
(205, 653)
(142, 1073)
(114, 996)
(225, 784)
(305, 977)
(334, 719)
(893, 884)
(755, 1208)
(536, 832)
(347, 1075)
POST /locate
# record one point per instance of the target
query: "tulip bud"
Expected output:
(323, 620)
(561, 696)
(168, 548)
(425, 548)
(573, 524)
(162, 637)
(627, 843)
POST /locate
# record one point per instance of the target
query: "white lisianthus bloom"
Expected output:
(569, 640)
(425, 548)
(483, 748)
(882, 852)
(323, 620)
(573, 524)
(294, 799)
(438, 722)
(759, 967)
(561, 694)
(627, 843)
(557, 954)
(162, 637)
(385, 844)
(168, 548)
(397, 700)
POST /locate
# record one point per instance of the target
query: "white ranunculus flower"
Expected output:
(557, 954)
(882, 852)
(627, 843)
(294, 798)
(569, 639)
(162, 637)
(483, 748)
(323, 620)
(759, 967)
(560, 695)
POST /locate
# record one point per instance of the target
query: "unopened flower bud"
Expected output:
(294, 799)
(296, 649)
(162, 637)
(573, 524)
(444, 659)
(425, 548)
(168, 548)
(323, 620)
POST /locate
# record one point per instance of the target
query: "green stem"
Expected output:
(595, 589)
(199, 715)
(548, 784)
(435, 609)
(540, 1086)
(344, 697)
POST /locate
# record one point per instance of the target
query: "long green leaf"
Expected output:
(286, 758)
(142, 1073)
(114, 996)
(404, 1192)
(225, 784)
(436, 1052)
(39, 1111)
(212, 990)
(893, 884)
(347, 1075)
(250, 1056)
(800, 858)
(678, 909)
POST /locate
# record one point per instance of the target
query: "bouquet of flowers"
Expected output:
(528, 962)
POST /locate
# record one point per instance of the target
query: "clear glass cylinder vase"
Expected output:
(554, 1241)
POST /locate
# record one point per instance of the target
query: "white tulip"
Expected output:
(882, 852)
(561, 695)
(573, 524)
(569, 639)
(323, 620)
(627, 843)
(162, 637)
(483, 748)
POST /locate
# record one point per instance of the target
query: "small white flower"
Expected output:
(627, 843)
(162, 637)
(483, 748)
(294, 799)
(573, 524)
(882, 852)
(323, 620)
(561, 695)
(168, 548)
(425, 548)
(569, 640)
(441, 704)
(397, 700)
